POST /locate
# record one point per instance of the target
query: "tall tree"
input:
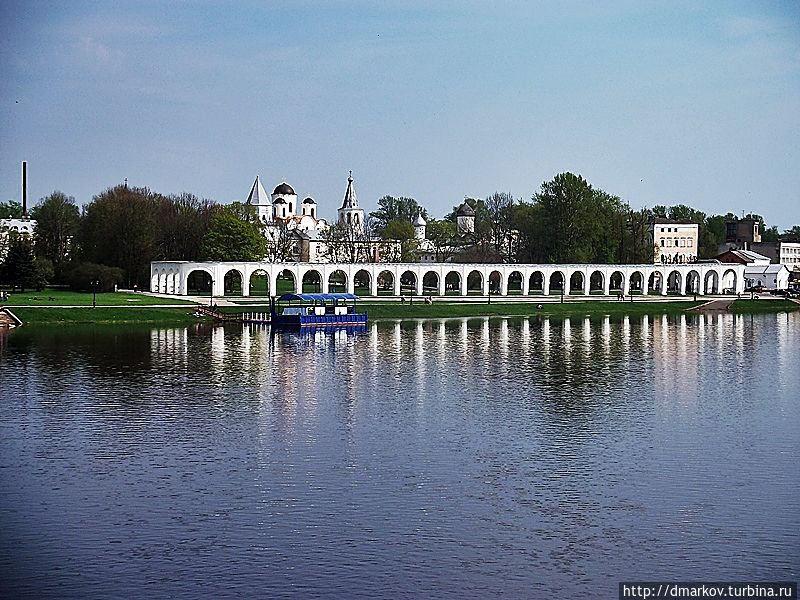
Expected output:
(19, 269)
(119, 229)
(443, 239)
(502, 210)
(230, 238)
(391, 208)
(10, 210)
(183, 220)
(402, 231)
(57, 220)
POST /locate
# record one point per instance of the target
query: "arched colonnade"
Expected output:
(445, 279)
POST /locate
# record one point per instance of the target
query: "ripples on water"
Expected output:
(459, 458)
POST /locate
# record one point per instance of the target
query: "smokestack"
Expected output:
(24, 189)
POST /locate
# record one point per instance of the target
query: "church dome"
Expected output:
(309, 200)
(420, 221)
(284, 189)
(279, 201)
(465, 210)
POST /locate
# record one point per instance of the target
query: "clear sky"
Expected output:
(656, 102)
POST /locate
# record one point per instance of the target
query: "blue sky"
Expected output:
(656, 102)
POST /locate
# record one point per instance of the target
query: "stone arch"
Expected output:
(514, 285)
(557, 280)
(655, 282)
(536, 283)
(362, 283)
(285, 282)
(312, 282)
(693, 282)
(475, 282)
(198, 283)
(452, 283)
(386, 283)
(674, 282)
(337, 282)
(408, 283)
(259, 283)
(597, 282)
(616, 282)
(711, 282)
(233, 283)
(576, 282)
(730, 281)
(636, 283)
(430, 283)
(495, 282)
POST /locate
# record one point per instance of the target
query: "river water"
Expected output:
(523, 458)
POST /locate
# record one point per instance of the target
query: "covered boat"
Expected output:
(316, 310)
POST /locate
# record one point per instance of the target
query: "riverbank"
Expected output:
(105, 314)
(122, 307)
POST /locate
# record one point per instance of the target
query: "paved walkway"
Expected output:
(719, 305)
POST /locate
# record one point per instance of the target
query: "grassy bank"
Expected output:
(763, 306)
(135, 314)
(58, 297)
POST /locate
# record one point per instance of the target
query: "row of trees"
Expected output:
(114, 237)
(566, 221)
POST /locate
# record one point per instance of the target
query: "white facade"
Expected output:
(24, 226)
(172, 277)
(675, 241)
(773, 277)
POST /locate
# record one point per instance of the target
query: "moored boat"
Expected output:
(316, 310)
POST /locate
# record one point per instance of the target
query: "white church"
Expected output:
(284, 215)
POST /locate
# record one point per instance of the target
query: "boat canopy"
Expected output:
(318, 297)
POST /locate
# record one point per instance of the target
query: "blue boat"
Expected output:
(315, 310)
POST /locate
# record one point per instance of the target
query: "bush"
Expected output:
(80, 277)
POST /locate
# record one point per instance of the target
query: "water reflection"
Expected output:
(524, 457)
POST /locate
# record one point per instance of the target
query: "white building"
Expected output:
(675, 241)
(770, 276)
(784, 253)
(24, 226)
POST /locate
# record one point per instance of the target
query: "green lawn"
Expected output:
(757, 306)
(58, 297)
(144, 314)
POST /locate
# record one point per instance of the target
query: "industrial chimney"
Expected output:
(24, 189)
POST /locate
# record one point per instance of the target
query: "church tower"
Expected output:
(349, 212)
(258, 198)
(419, 227)
(466, 219)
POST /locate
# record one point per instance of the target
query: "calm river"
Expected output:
(437, 459)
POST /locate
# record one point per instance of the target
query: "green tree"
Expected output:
(57, 221)
(770, 234)
(20, 269)
(10, 210)
(402, 231)
(183, 220)
(119, 229)
(442, 236)
(391, 209)
(229, 238)
(793, 233)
